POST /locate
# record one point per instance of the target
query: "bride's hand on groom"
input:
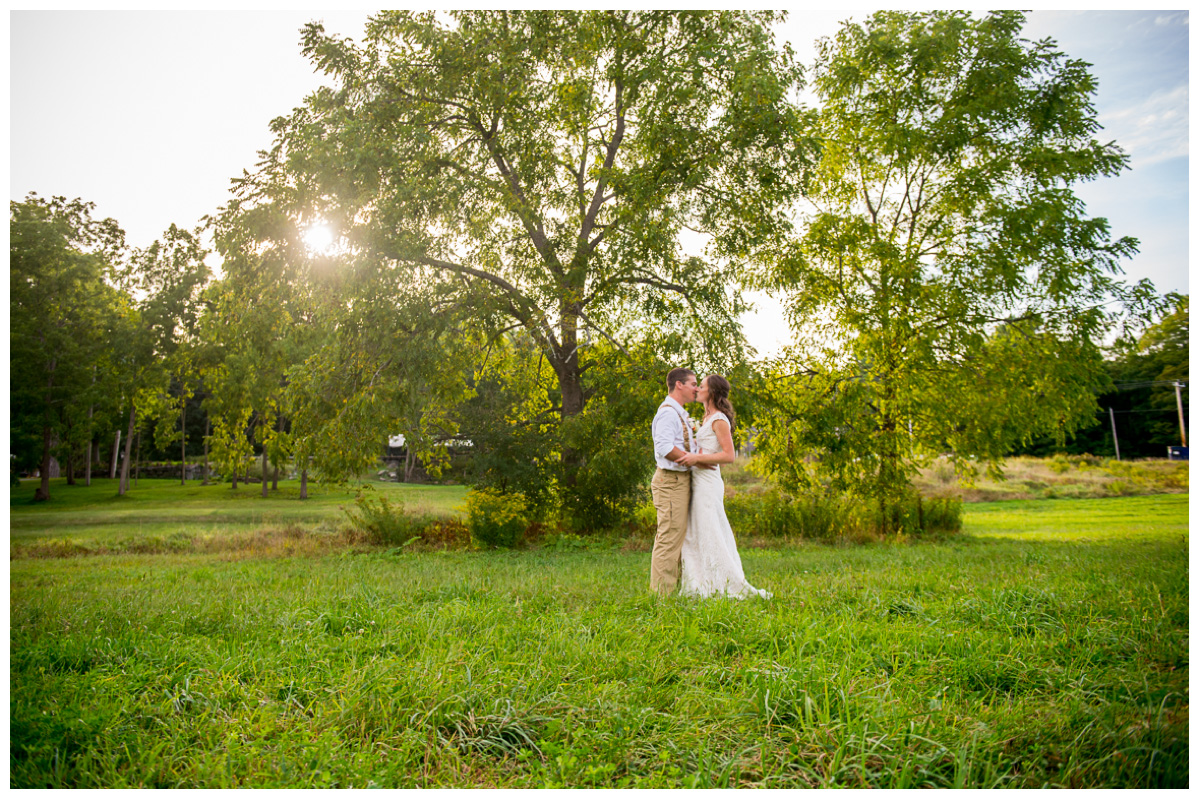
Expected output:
(692, 460)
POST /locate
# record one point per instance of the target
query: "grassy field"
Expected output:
(1045, 646)
(1062, 476)
(160, 513)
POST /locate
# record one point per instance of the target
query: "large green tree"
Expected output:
(544, 165)
(169, 277)
(249, 320)
(347, 349)
(388, 359)
(155, 328)
(948, 290)
(60, 301)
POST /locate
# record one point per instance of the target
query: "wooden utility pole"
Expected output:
(1179, 404)
(1116, 446)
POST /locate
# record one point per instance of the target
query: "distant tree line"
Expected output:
(1142, 395)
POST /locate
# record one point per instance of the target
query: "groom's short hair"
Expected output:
(677, 375)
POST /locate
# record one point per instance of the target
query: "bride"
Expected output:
(710, 558)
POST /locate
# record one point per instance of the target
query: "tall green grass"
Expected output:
(1044, 646)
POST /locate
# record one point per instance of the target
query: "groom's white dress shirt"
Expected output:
(667, 430)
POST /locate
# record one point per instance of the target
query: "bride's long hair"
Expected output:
(718, 395)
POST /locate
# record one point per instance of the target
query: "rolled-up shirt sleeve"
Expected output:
(667, 430)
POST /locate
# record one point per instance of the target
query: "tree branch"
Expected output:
(519, 305)
(533, 226)
(598, 196)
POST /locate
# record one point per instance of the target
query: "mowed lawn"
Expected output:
(1045, 646)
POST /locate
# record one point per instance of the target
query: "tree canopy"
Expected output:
(947, 288)
(62, 305)
(544, 164)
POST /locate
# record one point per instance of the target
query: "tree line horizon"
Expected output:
(506, 192)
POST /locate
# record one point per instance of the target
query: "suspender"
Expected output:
(687, 438)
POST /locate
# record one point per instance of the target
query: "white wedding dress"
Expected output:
(711, 565)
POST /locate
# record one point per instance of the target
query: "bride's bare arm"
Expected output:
(727, 454)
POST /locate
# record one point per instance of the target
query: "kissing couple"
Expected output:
(694, 547)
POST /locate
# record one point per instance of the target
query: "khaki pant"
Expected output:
(672, 492)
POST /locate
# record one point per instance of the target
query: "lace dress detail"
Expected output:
(711, 565)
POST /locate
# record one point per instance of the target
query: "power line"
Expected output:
(1146, 411)
(1144, 384)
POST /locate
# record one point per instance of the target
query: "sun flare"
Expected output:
(319, 238)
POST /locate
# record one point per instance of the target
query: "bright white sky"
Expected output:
(150, 114)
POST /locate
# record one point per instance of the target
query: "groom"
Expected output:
(671, 486)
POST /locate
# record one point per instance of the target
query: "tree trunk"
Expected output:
(303, 484)
(71, 457)
(410, 464)
(42, 493)
(571, 387)
(264, 461)
(91, 445)
(275, 474)
(183, 445)
(207, 431)
(235, 475)
(123, 487)
(112, 468)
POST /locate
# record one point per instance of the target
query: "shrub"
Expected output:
(943, 470)
(444, 532)
(496, 519)
(609, 482)
(774, 514)
(1178, 478)
(383, 521)
(941, 515)
(645, 517)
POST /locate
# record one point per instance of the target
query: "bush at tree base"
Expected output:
(496, 519)
(613, 475)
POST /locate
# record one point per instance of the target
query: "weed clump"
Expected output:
(382, 520)
(386, 523)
